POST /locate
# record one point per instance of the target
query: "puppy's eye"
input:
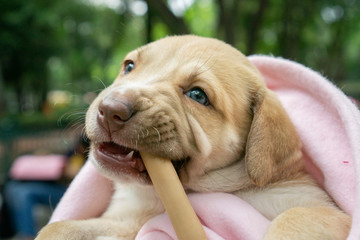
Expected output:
(198, 95)
(128, 66)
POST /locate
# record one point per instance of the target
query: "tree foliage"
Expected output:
(77, 45)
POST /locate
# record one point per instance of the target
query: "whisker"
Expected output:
(83, 134)
(69, 115)
(142, 133)
(77, 86)
(74, 123)
(173, 132)
(104, 85)
(97, 90)
(157, 133)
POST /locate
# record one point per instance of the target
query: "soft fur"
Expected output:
(243, 142)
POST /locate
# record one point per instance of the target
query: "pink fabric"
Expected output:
(238, 221)
(328, 124)
(38, 167)
(87, 196)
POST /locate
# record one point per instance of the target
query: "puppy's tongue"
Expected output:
(123, 155)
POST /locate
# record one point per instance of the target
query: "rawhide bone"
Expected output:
(171, 192)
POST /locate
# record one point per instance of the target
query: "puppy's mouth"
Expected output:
(120, 155)
(126, 160)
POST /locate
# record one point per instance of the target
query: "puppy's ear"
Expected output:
(273, 149)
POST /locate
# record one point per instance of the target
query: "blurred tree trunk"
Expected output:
(42, 91)
(290, 41)
(19, 98)
(284, 35)
(149, 20)
(228, 13)
(253, 30)
(175, 24)
(12, 75)
(334, 65)
(2, 91)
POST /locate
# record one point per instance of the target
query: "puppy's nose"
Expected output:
(115, 111)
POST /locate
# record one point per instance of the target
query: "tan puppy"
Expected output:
(201, 103)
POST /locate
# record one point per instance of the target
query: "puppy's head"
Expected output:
(200, 103)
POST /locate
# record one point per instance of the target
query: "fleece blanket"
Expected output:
(328, 124)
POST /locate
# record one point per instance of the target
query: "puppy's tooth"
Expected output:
(129, 156)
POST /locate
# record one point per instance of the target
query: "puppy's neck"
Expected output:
(134, 200)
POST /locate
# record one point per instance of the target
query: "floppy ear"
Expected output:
(273, 149)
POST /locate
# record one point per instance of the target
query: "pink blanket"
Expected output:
(329, 126)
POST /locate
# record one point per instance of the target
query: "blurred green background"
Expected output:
(55, 56)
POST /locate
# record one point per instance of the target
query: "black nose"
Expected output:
(115, 111)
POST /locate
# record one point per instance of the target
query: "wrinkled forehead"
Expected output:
(186, 49)
(191, 54)
(182, 50)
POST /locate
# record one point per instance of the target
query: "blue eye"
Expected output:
(129, 66)
(198, 95)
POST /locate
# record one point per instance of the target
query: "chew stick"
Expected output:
(168, 186)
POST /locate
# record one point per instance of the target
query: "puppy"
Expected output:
(202, 104)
